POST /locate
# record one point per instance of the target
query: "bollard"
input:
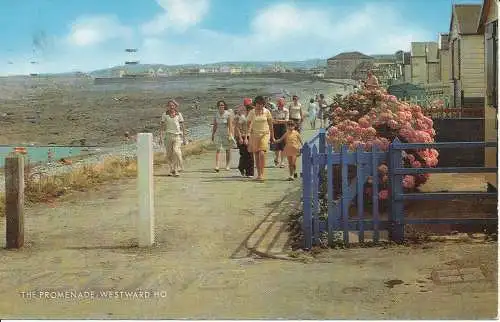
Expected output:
(14, 201)
(145, 225)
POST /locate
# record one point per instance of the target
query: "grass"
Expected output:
(43, 188)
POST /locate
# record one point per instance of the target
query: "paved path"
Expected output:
(203, 267)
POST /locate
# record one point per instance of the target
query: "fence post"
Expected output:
(315, 194)
(396, 206)
(145, 225)
(306, 196)
(322, 141)
(322, 150)
(14, 201)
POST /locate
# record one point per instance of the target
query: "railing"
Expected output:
(316, 155)
(453, 113)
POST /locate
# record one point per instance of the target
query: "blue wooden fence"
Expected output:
(318, 155)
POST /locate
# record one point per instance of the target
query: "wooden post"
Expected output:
(145, 227)
(14, 201)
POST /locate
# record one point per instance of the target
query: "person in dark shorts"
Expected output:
(280, 119)
(246, 164)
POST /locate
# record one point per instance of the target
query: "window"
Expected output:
(491, 38)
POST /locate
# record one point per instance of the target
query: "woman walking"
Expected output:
(323, 113)
(222, 134)
(245, 164)
(280, 118)
(260, 128)
(312, 113)
(172, 132)
(296, 113)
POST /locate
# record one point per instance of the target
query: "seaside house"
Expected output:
(235, 70)
(467, 56)
(407, 67)
(444, 58)
(418, 63)
(344, 64)
(488, 27)
(433, 67)
(424, 63)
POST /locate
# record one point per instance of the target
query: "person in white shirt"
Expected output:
(173, 133)
(312, 112)
(323, 111)
(222, 133)
(280, 118)
(295, 112)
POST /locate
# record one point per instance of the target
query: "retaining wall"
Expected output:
(460, 130)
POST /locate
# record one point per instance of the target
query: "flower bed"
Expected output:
(373, 118)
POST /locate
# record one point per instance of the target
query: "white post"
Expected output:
(145, 186)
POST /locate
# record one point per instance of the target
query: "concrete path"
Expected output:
(80, 260)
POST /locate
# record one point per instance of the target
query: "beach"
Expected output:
(74, 109)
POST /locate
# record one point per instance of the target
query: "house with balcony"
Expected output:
(488, 28)
(467, 56)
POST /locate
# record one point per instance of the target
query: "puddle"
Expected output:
(392, 283)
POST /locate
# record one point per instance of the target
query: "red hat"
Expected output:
(247, 101)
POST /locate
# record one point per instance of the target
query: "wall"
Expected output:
(433, 73)
(407, 73)
(472, 66)
(418, 70)
(460, 130)
(490, 116)
(444, 62)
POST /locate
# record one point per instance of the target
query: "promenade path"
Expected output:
(203, 266)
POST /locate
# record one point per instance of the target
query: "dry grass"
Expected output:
(43, 188)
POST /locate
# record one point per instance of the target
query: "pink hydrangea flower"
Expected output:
(364, 122)
(409, 182)
(416, 164)
(383, 194)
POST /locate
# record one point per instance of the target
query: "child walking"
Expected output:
(293, 144)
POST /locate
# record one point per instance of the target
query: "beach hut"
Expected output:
(467, 56)
(488, 27)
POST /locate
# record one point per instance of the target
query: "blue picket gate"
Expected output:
(318, 155)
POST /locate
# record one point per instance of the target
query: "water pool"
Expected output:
(36, 154)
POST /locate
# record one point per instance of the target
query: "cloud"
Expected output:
(284, 27)
(94, 30)
(178, 15)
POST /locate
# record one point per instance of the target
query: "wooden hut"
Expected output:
(488, 27)
(467, 56)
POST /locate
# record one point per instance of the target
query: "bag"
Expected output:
(233, 142)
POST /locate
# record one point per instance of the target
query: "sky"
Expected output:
(71, 35)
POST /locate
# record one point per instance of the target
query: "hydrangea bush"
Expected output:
(373, 118)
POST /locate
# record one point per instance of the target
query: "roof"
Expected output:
(467, 16)
(444, 40)
(350, 55)
(485, 9)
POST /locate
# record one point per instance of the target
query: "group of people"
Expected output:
(255, 127)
